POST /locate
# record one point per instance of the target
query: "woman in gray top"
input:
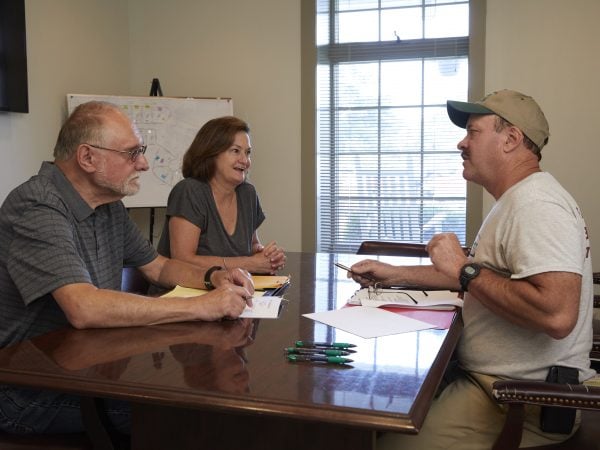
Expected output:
(213, 213)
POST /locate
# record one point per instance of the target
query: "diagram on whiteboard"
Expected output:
(168, 126)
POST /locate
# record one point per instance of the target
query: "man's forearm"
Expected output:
(422, 276)
(175, 272)
(89, 307)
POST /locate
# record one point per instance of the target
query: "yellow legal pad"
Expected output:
(262, 282)
(180, 291)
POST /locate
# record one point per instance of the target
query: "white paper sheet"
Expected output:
(368, 322)
(266, 307)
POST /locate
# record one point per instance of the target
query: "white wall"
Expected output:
(550, 49)
(250, 50)
(72, 46)
(246, 50)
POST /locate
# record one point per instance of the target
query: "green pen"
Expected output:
(319, 358)
(309, 344)
(317, 351)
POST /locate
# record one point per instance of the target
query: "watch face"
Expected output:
(470, 270)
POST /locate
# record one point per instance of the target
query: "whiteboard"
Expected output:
(168, 126)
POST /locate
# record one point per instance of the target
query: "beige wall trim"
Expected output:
(308, 136)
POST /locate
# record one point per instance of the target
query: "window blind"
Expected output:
(387, 163)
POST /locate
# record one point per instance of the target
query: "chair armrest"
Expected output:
(542, 393)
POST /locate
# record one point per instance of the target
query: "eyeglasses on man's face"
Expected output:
(133, 154)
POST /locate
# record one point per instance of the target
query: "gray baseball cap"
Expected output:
(519, 109)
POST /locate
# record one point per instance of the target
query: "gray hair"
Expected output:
(85, 124)
(502, 123)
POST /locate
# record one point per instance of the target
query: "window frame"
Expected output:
(309, 60)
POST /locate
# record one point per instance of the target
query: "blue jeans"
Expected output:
(26, 411)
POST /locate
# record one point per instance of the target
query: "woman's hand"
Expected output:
(276, 256)
(268, 259)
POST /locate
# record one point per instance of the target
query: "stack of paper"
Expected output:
(407, 299)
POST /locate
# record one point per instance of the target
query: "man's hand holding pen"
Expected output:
(236, 276)
(351, 273)
(239, 277)
(368, 272)
(234, 290)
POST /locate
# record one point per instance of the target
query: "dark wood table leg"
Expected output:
(96, 423)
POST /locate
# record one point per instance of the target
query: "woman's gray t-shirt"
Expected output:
(193, 200)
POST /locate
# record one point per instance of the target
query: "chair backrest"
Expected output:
(133, 281)
(587, 437)
(396, 249)
(392, 249)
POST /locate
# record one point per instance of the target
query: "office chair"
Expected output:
(133, 281)
(518, 393)
(395, 249)
(392, 249)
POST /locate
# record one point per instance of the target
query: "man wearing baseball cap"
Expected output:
(527, 282)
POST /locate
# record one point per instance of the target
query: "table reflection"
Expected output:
(213, 368)
(205, 355)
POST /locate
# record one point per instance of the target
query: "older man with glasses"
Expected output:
(65, 237)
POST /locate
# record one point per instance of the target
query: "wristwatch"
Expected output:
(207, 283)
(468, 272)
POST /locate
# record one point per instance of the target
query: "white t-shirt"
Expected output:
(535, 227)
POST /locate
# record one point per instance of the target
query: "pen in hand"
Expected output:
(349, 270)
(247, 298)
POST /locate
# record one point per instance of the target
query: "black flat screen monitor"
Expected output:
(13, 57)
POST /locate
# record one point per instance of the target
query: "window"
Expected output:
(387, 164)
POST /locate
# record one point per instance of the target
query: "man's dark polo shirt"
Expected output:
(50, 237)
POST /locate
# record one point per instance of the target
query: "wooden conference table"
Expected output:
(227, 384)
